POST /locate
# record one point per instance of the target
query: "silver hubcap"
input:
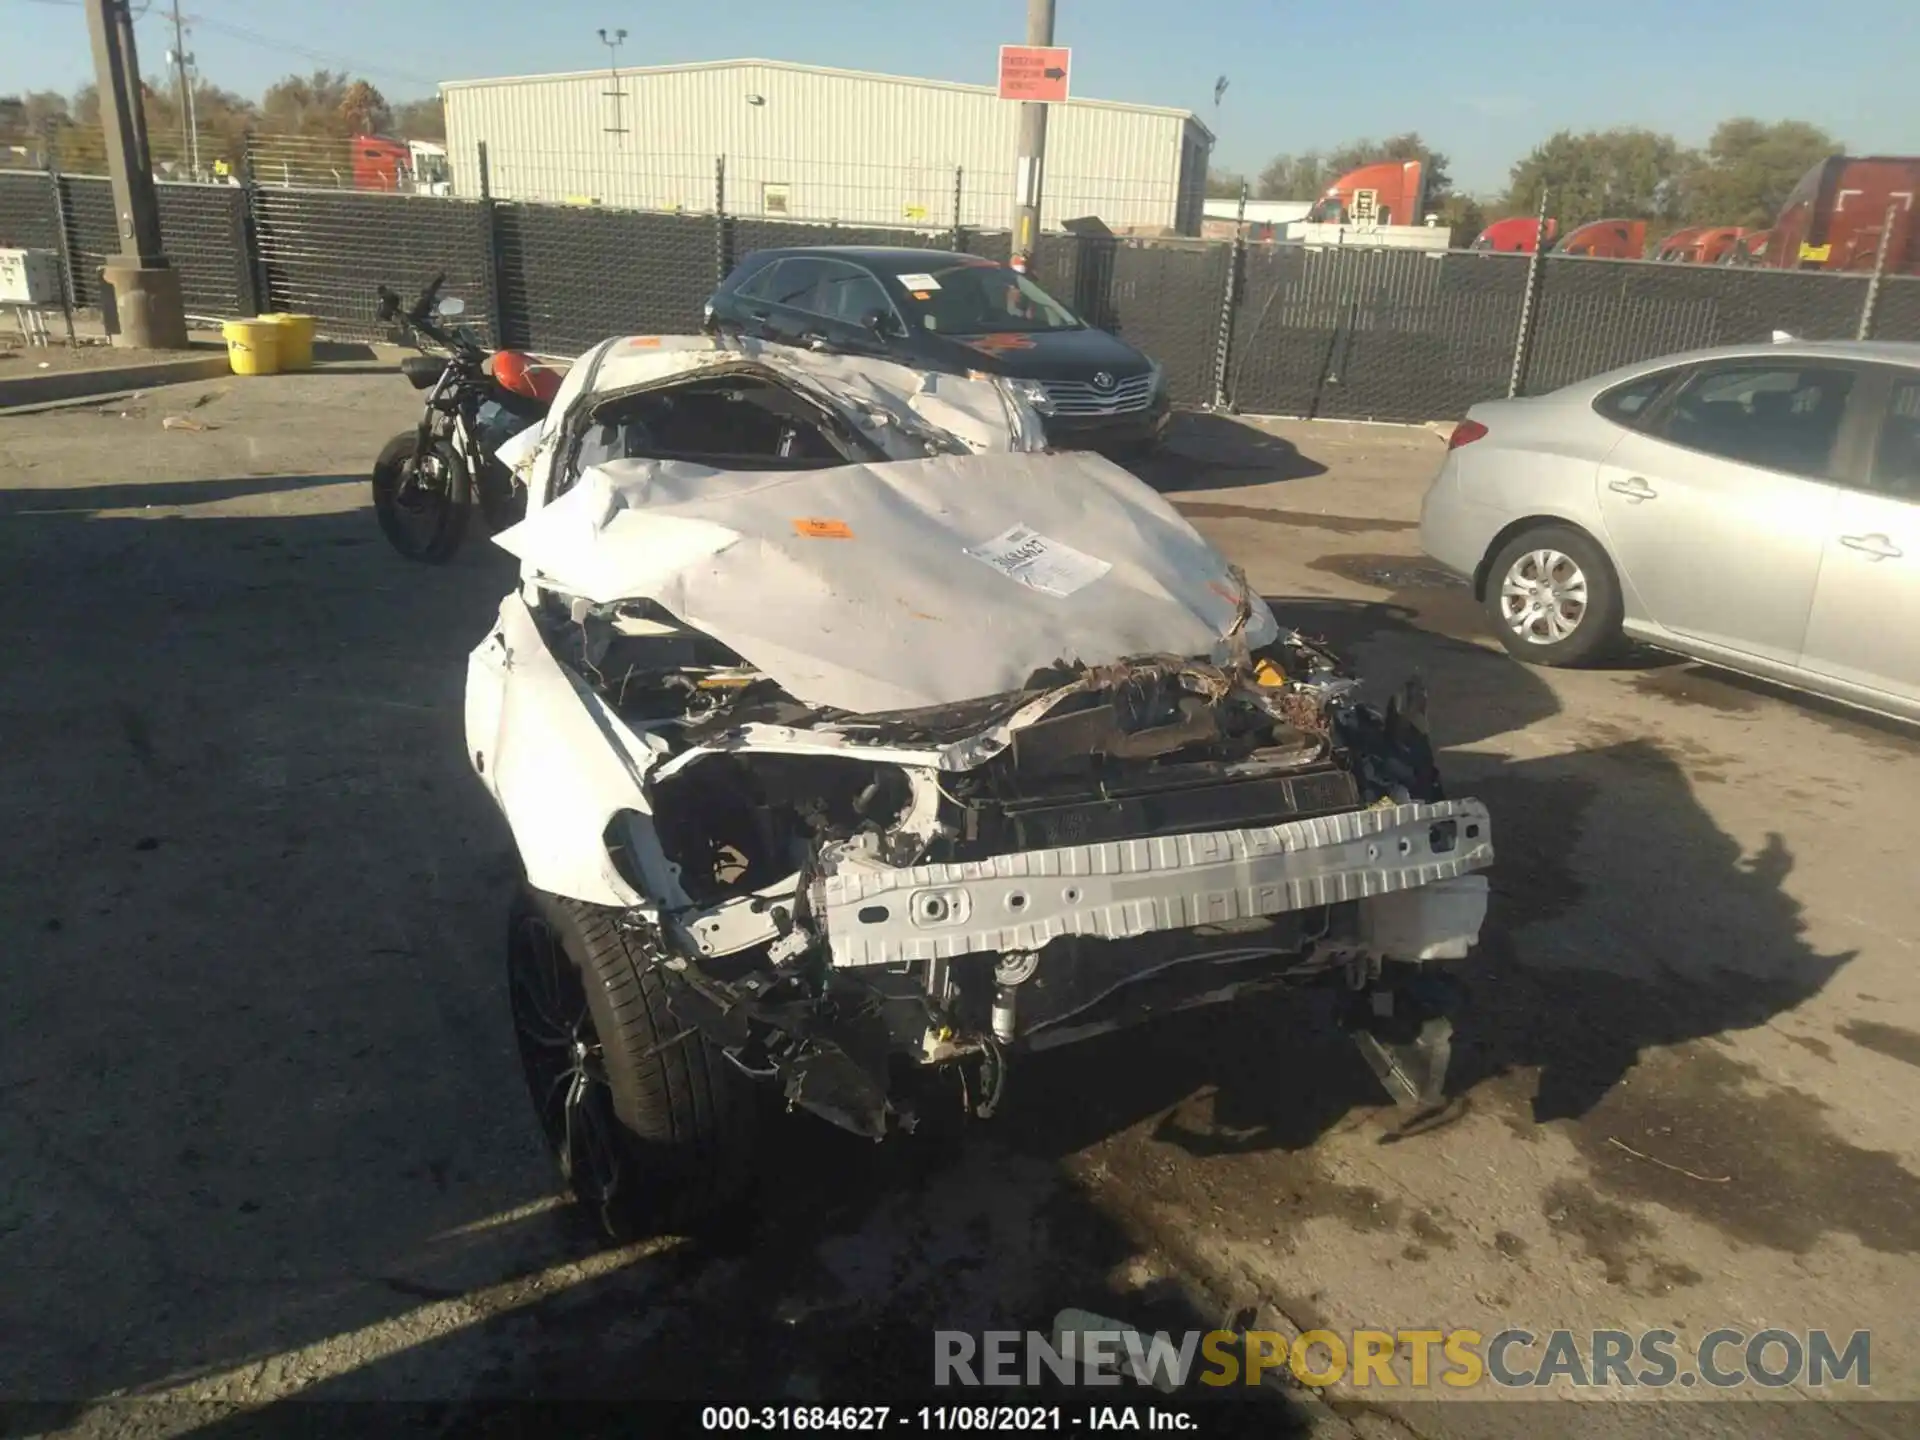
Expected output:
(1543, 598)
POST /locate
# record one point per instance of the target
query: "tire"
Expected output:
(502, 503)
(657, 1137)
(1565, 558)
(424, 525)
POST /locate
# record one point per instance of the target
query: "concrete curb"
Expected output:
(110, 380)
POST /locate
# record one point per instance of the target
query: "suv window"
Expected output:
(833, 289)
(1896, 456)
(1781, 417)
(790, 281)
(756, 285)
(846, 292)
(1630, 403)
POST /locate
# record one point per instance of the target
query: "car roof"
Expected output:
(1885, 352)
(893, 259)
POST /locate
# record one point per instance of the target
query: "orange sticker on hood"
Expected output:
(813, 529)
(995, 344)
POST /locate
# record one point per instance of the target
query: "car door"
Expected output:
(1865, 627)
(1717, 512)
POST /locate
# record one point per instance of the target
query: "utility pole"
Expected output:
(1033, 147)
(135, 89)
(147, 310)
(180, 60)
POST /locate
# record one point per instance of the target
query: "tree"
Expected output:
(364, 110)
(1749, 168)
(1292, 177)
(1464, 218)
(1626, 173)
(221, 119)
(427, 120)
(307, 104)
(1306, 176)
(44, 111)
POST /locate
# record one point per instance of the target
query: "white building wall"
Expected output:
(825, 144)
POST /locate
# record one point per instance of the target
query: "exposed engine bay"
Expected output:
(894, 782)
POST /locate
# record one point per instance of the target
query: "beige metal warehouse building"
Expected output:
(809, 143)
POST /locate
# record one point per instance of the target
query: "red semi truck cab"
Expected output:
(1606, 239)
(380, 163)
(1834, 218)
(1392, 192)
(1519, 233)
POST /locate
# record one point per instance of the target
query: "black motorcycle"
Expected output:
(427, 479)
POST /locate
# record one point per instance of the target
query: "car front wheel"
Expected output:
(1553, 598)
(651, 1126)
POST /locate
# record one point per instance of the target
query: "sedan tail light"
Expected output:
(1465, 433)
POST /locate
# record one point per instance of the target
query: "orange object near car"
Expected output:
(523, 375)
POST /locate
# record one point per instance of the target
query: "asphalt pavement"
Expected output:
(264, 1134)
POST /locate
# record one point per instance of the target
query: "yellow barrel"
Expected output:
(253, 346)
(296, 340)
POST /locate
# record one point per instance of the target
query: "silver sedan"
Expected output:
(1755, 506)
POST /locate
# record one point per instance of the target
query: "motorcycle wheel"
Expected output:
(425, 519)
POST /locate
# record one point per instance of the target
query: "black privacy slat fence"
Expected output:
(1356, 333)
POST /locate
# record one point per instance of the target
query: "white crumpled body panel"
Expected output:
(887, 402)
(896, 585)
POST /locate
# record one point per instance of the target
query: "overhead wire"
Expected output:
(271, 42)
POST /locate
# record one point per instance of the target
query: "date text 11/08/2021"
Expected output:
(928, 1419)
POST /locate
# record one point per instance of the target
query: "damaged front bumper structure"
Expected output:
(843, 899)
(875, 757)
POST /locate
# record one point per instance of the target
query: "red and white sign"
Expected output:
(1034, 72)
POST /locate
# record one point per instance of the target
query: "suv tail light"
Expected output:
(1465, 433)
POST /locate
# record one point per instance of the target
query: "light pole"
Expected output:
(613, 43)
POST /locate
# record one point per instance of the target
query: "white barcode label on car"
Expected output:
(1039, 563)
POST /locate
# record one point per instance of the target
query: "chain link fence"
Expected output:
(1353, 333)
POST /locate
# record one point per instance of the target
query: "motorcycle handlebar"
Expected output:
(417, 316)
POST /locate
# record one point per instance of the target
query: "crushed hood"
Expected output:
(897, 585)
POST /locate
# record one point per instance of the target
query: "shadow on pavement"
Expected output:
(257, 1087)
(72, 501)
(1205, 451)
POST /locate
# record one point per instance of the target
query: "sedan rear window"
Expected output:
(1629, 404)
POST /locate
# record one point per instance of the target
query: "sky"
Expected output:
(1483, 82)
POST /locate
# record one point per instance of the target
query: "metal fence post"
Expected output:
(722, 236)
(490, 242)
(1872, 302)
(1229, 301)
(959, 239)
(246, 257)
(1523, 340)
(253, 252)
(68, 298)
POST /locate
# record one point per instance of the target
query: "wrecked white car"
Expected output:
(853, 744)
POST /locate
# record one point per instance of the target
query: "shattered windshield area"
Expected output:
(734, 422)
(980, 300)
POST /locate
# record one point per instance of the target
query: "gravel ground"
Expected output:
(264, 1134)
